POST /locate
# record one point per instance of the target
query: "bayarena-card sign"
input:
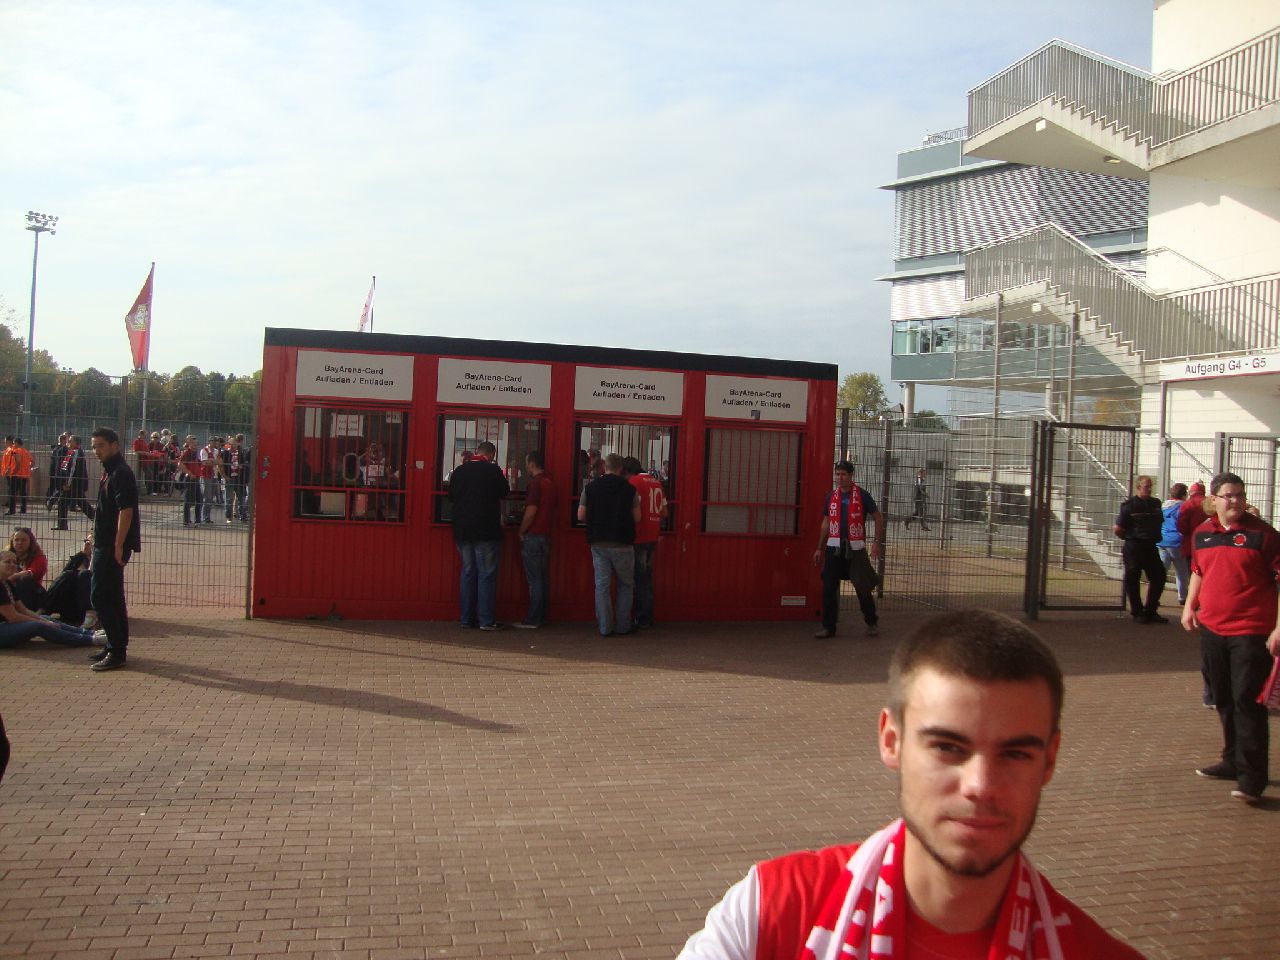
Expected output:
(359, 435)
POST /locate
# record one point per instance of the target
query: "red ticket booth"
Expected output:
(358, 434)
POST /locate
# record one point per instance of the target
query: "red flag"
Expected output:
(138, 324)
(366, 315)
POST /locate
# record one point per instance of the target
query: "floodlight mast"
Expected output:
(37, 223)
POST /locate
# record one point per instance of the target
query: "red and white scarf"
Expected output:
(857, 521)
(865, 915)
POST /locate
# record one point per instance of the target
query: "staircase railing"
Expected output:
(1152, 110)
(1215, 319)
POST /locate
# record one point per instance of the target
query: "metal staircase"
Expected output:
(1120, 99)
(1134, 323)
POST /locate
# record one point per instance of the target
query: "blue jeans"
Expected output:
(478, 590)
(610, 562)
(209, 495)
(535, 551)
(644, 584)
(12, 634)
(1173, 556)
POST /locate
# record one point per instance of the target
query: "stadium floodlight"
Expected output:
(37, 223)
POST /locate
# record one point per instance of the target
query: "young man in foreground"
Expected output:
(972, 729)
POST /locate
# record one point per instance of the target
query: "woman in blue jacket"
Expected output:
(1170, 545)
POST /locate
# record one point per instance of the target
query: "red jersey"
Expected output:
(652, 501)
(1239, 567)
(541, 493)
(791, 891)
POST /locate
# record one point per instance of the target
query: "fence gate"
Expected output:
(1254, 459)
(1082, 472)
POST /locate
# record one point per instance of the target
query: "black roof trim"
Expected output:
(546, 352)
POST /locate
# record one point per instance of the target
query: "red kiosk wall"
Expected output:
(409, 570)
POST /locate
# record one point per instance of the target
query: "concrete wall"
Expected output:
(1230, 228)
(1185, 32)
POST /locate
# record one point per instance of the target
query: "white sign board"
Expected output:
(656, 392)
(357, 376)
(494, 383)
(1250, 363)
(757, 398)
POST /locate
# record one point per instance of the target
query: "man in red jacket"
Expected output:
(971, 727)
(1235, 565)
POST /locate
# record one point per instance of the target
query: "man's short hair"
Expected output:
(1196, 488)
(1178, 491)
(17, 441)
(613, 462)
(631, 466)
(107, 434)
(1144, 478)
(1219, 479)
(844, 465)
(487, 448)
(979, 645)
(535, 457)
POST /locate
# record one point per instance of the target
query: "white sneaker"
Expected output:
(100, 635)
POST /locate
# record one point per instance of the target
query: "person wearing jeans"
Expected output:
(535, 540)
(476, 490)
(17, 623)
(478, 587)
(610, 508)
(653, 510)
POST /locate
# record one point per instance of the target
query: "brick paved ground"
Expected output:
(405, 790)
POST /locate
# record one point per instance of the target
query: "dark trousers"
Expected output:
(855, 568)
(1142, 556)
(643, 604)
(106, 596)
(236, 502)
(18, 492)
(190, 499)
(1237, 668)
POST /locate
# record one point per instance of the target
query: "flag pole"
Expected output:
(372, 287)
(146, 360)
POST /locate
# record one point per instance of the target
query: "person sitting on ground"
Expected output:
(28, 583)
(68, 597)
(17, 623)
(972, 729)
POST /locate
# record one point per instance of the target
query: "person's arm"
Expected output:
(582, 507)
(1189, 619)
(824, 527)
(1122, 521)
(38, 567)
(124, 520)
(732, 925)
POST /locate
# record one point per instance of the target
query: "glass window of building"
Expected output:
(653, 444)
(459, 436)
(349, 464)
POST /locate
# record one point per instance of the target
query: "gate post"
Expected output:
(1031, 565)
(123, 420)
(885, 471)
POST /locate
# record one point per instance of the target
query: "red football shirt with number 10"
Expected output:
(652, 499)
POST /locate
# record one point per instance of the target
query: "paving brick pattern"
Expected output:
(266, 789)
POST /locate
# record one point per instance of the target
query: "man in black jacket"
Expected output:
(74, 479)
(116, 537)
(1138, 524)
(477, 489)
(610, 508)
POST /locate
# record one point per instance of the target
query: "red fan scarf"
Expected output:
(857, 521)
(864, 916)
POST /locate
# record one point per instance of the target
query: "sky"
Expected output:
(694, 176)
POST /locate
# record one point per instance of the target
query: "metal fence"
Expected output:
(1016, 513)
(197, 566)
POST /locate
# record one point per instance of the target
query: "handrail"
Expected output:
(1208, 471)
(1150, 110)
(1203, 321)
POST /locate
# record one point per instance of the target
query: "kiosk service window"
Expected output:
(514, 436)
(349, 464)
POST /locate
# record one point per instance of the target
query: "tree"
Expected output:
(928, 420)
(863, 394)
